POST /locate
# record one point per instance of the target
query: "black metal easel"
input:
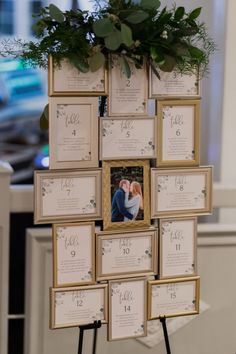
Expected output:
(167, 343)
(94, 326)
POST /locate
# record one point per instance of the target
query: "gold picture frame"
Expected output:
(173, 85)
(182, 302)
(128, 138)
(67, 195)
(177, 247)
(66, 305)
(68, 81)
(115, 250)
(114, 174)
(127, 96)
(174, 192)
(127, 296)
(178, 139)
(73, 132)
(73, 254)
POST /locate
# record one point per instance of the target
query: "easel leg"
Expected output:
(163, 322)
(81, 338)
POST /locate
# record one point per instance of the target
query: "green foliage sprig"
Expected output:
(166, 39)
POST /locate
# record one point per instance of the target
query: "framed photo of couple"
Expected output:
(126, 194)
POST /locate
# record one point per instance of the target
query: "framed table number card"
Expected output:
(73, 132)
(67, 195)
(127, 309)
(127, 97)
(76, 306)
(174, 297)
(126, 194)
(181, 192)
(178, 247)
(73, 254)
(173, 84)
(127, 138)
(67, 80)
(126, 255)
(178, 133)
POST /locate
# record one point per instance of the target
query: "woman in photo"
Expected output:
(135, 202)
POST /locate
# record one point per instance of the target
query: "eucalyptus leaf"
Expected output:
(125, 66)
(126, 35)
(157, 55)
(56, 13)
(181, 50)
(38, 28)
(137, 17)
(80, 64)
(196, 53)
(103, 27)
(44, 120)
(169, 64)
(113, 41)
(195, 13)
(96, 61)
(179, 13)
(150, 4)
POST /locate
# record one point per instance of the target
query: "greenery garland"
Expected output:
(167, 39)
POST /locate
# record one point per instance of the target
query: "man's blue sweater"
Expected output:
(118, 210)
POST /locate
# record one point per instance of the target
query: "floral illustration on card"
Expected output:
(163, 183)
(201, 195)
(107, 128)
(190, 269)
(166, 227)
(166, 112)
(140, 329)
(47, 186)
(90, 207)
(99, 315)
(60, 233)
(61, 110)
(115, 289)
(190, 156)
(87, 276)
(149, 147)
(155, 290)
(141, 108)
(106, 246)
(59, 298)
(191, 307)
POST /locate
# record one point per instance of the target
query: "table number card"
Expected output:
(73, 254)
(181, 192)
(175, 297)
(178, 133)
(178, 247)
(67, 195)
(67, 80)
(73, 133)
(72, 307)
(173, 84)
(127, 138)
(128, 254)
(127, 97)
(127, 309)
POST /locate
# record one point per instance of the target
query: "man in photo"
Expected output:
(118, 210)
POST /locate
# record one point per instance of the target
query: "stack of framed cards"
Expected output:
(123, 194)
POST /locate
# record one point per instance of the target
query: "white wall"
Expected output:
(228, 163)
